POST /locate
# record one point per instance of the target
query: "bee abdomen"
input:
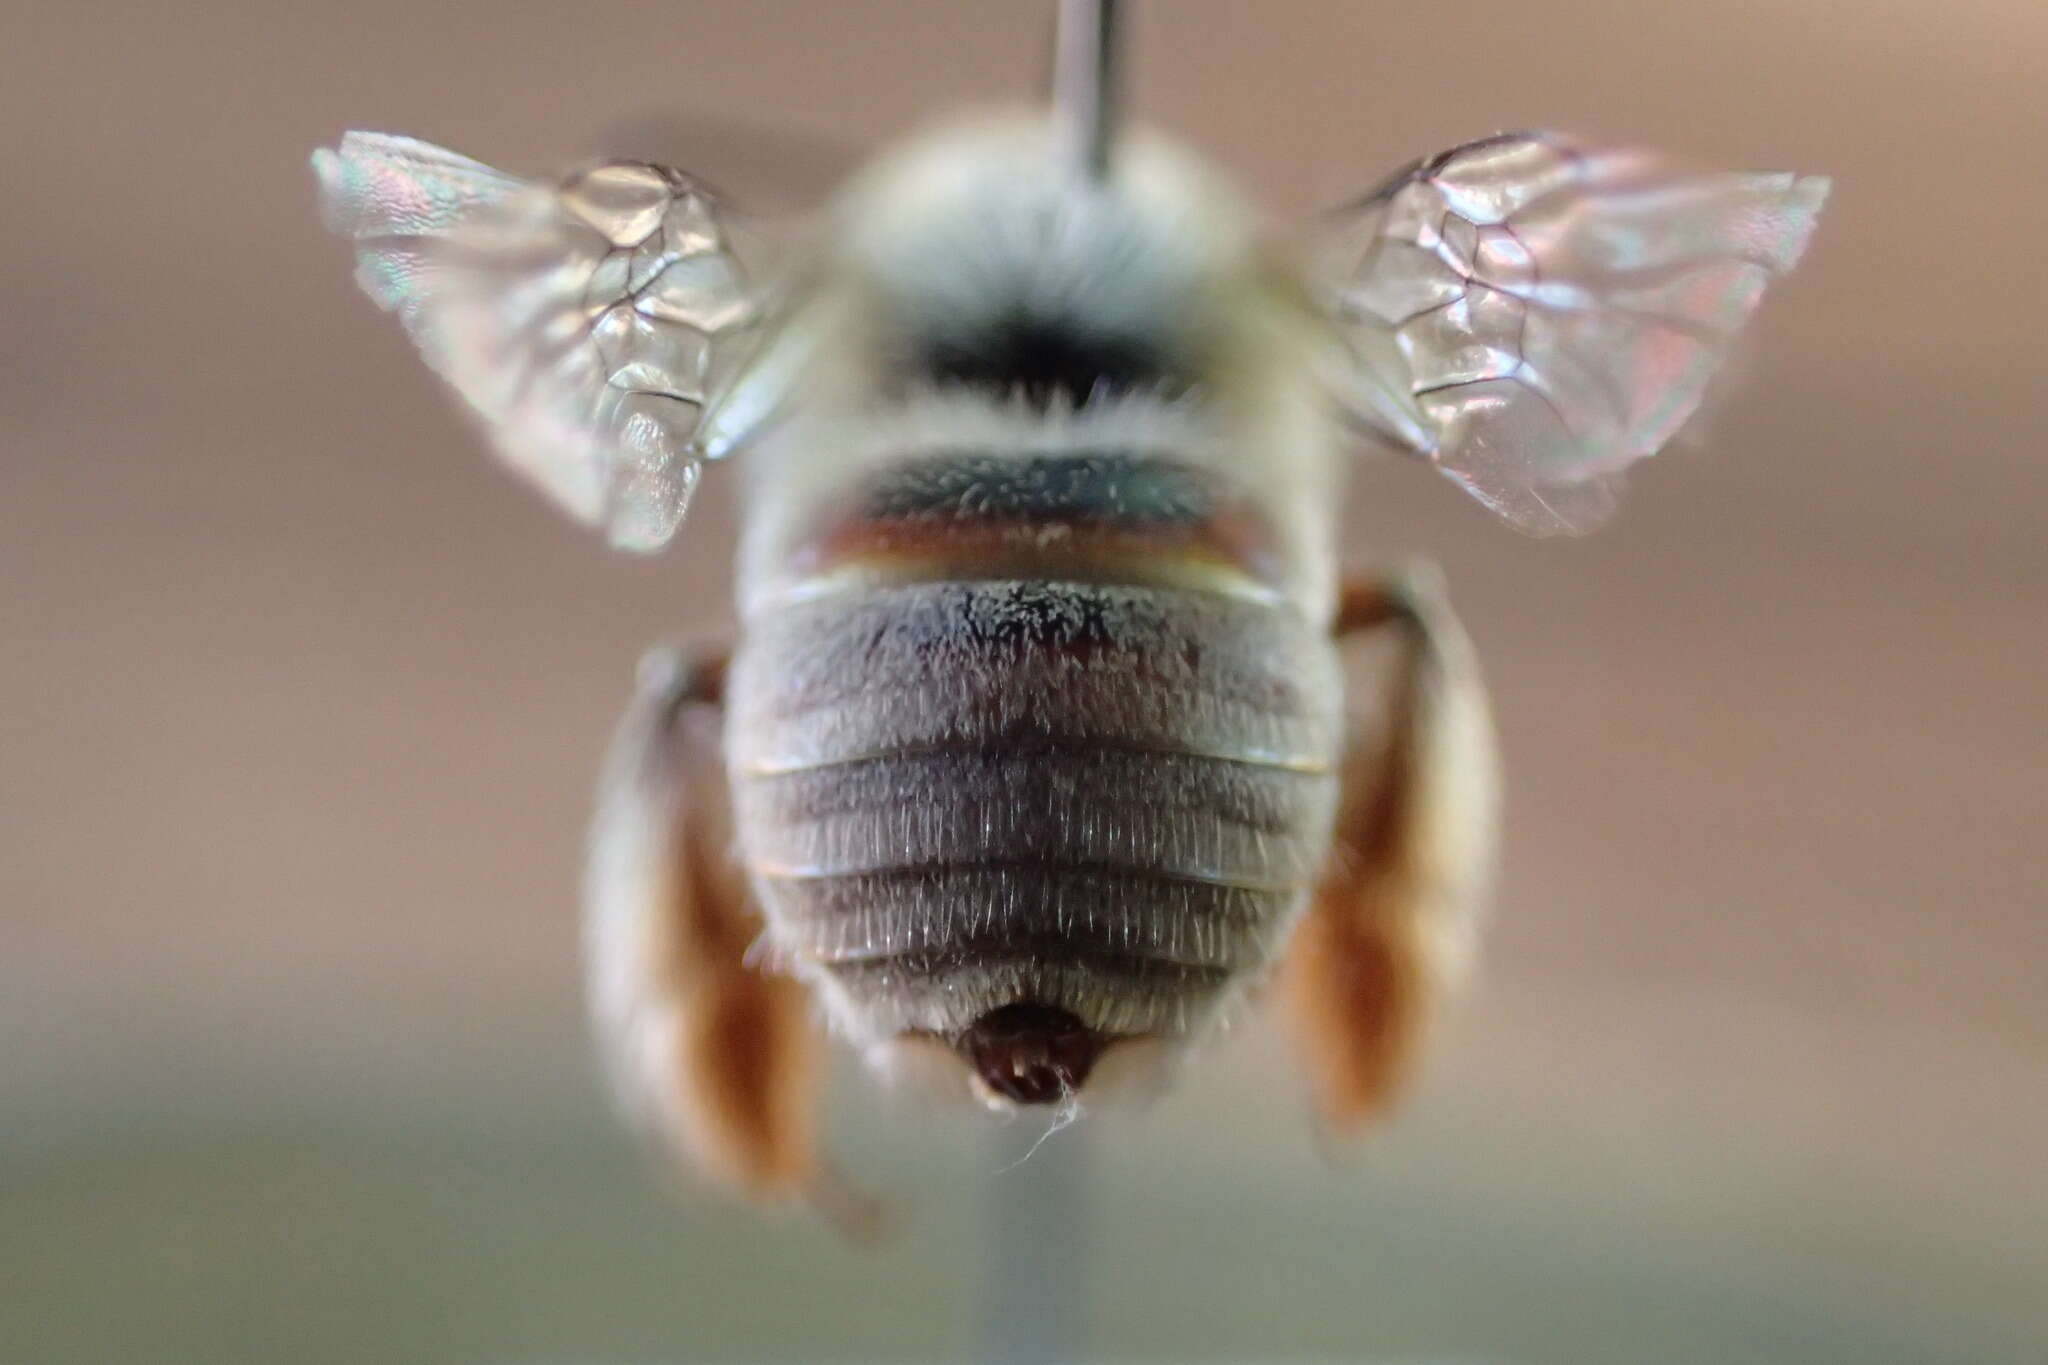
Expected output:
(1106, 798)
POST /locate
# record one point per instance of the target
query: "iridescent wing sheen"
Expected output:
(1534, 316)
(591, 325)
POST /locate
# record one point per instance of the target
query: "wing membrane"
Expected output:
(589, 324)
(1535, 316)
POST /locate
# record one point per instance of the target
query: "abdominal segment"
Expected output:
(1090, 516)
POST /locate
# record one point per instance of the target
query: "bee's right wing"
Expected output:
(1534, 315)
(603, 328)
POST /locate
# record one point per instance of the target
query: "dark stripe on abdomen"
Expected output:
(1095, 516)
(1121, 489)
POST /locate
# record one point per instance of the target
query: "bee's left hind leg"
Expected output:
(1393, 920)
(714, 1058)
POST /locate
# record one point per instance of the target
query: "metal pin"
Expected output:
(1084, 82)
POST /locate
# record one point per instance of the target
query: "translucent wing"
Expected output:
(1534, 316)
(595, 326)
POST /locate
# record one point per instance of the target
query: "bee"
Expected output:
(1032, 758)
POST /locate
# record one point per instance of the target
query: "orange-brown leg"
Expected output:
(712, 1057)
(1393, 922)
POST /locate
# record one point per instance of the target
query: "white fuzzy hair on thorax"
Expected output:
(982, 220)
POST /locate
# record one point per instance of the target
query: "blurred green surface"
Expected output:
(420, 1239)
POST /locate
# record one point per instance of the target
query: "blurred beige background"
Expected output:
(302, 700)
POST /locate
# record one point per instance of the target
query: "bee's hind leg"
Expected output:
(1393, 920)
(711, 1056)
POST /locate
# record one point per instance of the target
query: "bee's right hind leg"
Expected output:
(712, 1057)
(1393, 920)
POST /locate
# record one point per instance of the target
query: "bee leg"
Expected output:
(711, 1056)
(1393, 921)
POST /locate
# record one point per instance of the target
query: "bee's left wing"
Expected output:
(1534, 315)
(599, 327)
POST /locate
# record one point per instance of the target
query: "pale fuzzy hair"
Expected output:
(992, 193)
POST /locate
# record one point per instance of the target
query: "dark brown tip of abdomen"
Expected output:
(1030, 1053)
